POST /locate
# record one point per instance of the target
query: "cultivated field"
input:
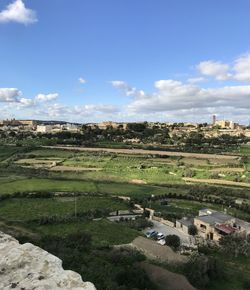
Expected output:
(38, 188)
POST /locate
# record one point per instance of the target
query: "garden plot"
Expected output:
(74, 168)
(38, 163)
(227, 169)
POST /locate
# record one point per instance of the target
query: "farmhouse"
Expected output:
(212, 225)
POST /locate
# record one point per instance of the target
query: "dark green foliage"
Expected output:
(235, 245)
(138, 224)
(192, 230)
(201, 270)
(108, 269)
(173, 241)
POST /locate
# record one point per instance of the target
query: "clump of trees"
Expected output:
(201, 270)
(107, 268)
(235, 245)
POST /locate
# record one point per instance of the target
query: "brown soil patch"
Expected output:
(138, 181)
(147, 152)
(227, 169)
(166, 279)
(217, 181)
(72, 168)
(155, 251)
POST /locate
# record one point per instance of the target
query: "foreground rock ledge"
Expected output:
(26, 267)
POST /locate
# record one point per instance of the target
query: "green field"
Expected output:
(103, 232)
(26, 209)
(245, 149)
(136, 176)
(127, 168)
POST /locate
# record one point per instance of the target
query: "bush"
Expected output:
(192, 230)
(173, 241)
(201, 269)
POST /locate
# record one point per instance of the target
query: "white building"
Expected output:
(44, 129)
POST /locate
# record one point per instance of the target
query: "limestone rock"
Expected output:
(27, 267)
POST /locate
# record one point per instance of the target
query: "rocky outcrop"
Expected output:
(27, 267)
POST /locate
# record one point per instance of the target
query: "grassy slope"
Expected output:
(24, 209)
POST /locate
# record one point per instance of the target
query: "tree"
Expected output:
(200, 269)
(192, 230)
(173, 241)
(235, 245)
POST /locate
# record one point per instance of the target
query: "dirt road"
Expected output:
(153, 250)
(147, 152)
(217, 182)
(166, 279)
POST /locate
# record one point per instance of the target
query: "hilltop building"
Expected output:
(115, 125)
(225, 124)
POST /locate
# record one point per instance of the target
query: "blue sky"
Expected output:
(137, 60)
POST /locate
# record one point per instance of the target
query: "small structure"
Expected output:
(184, 224)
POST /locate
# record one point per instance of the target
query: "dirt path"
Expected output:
(229, 169)
(154, 251)
(166, 279)
(147, 152)
(73, 168)
(217, 182)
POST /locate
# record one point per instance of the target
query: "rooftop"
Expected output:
(215, 217)
(186, 221)
(227, 229)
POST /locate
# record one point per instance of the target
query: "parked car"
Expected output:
(162, 242)
(160, 236)
(154, 235)
(150, 233)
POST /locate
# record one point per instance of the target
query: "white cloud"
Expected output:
(23, 102)
(196, 80)
(171, 95)
(17, 12)
(214, 69)
(242, 68)
(9, 94)
(82, 80)
(126, 89)
(46, 98)
(101, 108)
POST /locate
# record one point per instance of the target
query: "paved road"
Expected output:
(167, 230)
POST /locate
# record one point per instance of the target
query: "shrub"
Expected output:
(192, 230)
(173, 241)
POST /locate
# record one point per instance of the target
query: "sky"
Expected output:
(125, 60)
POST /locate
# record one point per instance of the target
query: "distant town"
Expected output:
(214, 129)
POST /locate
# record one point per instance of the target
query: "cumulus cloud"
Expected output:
(126, 89)
(172, 95)
(23, 102)
(82, 80)
(46, 98)
(214, 69)
(9, 94)
(79, 111)
(242, 68)
(17, 12)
